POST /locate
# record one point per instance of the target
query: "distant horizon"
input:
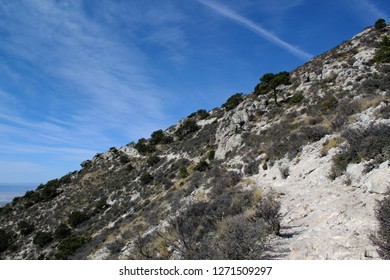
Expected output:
(8, 191)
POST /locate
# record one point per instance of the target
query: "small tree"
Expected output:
(383, 54)
(143, 147)
(201, 166)
(380, 24)
(6, 239)
(159, 137)
(233, 101)
(25, 227)
(62, 231)
(146, 178)
(70, 245)
(187, 127)
(183, 172)
(270, 82)
(76, 218)
(42, 238)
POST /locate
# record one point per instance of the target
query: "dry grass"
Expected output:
(330, 144)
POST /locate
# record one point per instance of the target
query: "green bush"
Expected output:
(76, 218)
(270, 81)
(183, 173)
(201, 166)
(187, 127)
(143, 147)
(159, 137)
(25, 227)
(101, 205)
(42, 238)
(153, 160)
(146, 178)
(70, 245)
(296, 98)
(31, 197)
(329, 104)
(233, 101)
(380, 24)
(6, 239)
(383, 53)
(124, 159)
(62, 231)
(202, 114)
(211, 155)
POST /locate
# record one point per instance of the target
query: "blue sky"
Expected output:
(78, 77)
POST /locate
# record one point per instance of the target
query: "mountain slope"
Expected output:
(322, 154)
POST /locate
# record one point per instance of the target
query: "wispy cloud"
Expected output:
(256, 28)
(77, 80)
(95, 85)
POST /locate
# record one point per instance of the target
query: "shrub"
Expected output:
(159, 137)
(329, 144)
(76, 218)
(383, 53)
(124, 159)
(146, 178)
(268, 209)
(369, 142)
(240, 238)
(382, 237)
(62, 231)
(70, 245)
(384, 112)
(372, 142)
(329, 103)
(183, 173)
(42, 238)
(201, 166)
(233, 101)
(101, 204)
(252, 167)
(380, 24)
(153, 160)
(340, 162)
(187, 127)
(313, 133)
(188, 229)
(296, 98)
(202, 114)
(284, 171)
(25, 227)
(5, 210)
(6, 239)
(211, 155)
(143, 147)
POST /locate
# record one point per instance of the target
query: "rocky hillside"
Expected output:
(290, 171)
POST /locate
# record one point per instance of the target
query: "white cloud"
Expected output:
(102, 81)
(256, 28)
